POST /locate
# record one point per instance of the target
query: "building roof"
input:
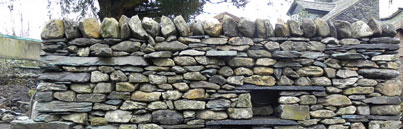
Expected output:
(333, 9)
(396, 19)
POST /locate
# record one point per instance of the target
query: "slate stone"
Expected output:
(170, 46)
(95, 98)
(95, 61)
(65, 77)
(295, 28)
(282, 30)
(30, 124)
(59, 106)
(269, 28)
(90, 28)
(333, 29)
(215, 41)
(110, 28)
(150, 26)
(348, 56)
(71, 29)
(388, 30)
(378, 73)
(167, 27)
(127, 46)
(84, 41)
(230, 28)
(343, 29)
(189, 105)
(375, 26)
(391, 40)
(309, 27)
(323, 29)
(384, 124)
(196, 28)
(260, 28)
(240, 113)
(181, 26)
(272, 46)
(212, 27)
(221, 53)
(159, 54)
(367, 46)
(44, 96)
(246, 27)
(240, 41)
(286, 54)
(294, 112)
(169, 117)
(360, 30)
(204, 84)
(383, 100)
(385, 110)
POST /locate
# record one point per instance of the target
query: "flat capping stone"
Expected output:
(366, 46)
(281, 88)
(371, 117)
(253, 121)
(95, 61)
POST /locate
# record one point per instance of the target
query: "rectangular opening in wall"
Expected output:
(264, 102)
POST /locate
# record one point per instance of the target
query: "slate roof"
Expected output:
(333, 9)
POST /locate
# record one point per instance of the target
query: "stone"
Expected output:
(76, 117)
(229, 26)
(196, 28)
(194, 76)
(118, 116)
(346, 73)
(388, 30)
(281, 30)
(90, 28)
(246, 27)
(359, 90)
(167, 26)
(156, 79)
(308, 27)
(65, 77)
(258, 53)
(54, 29)
(378, 73)
(181, 26)
(333, 30)
(269, 28)
(290, 45)
(307, 99)
(172, 95)
(333, 121)
(212, 27)
(385, 109)
(103, 88)
(344, 29)
(159, 54)
(241, 62)
(138, 78)
(322, 114)
(65, 96)
(219, 103)
(294, 112)
(59, 106)
(321, 81)
(209, 61)
(310, 71)
(338, 127)
(167, 117)
(375, 26)
(240, 113)
(149, 126)
(104, 107)
(130, 105)
(383, 100)
(145, 97)
(30, 124)
(81, 88)
(295, 28)
(71, 29)
(338, 100)
(357, 126)
(348, 56)
(240, 41)
(44, 96)
(221, 53)
(265, 61)
(286, 54)
(181, 86)
(212, 115)
(189, 105)
(191, 53)
(323, 29)
(97, 76)
(389, 88)
(127, 46)
(204, 84)
(110, 28)
(97, 121)
(189, 40)
(125, 32)
(95, 98)
(163, 62)
(136, 28)
(215, 41)
(170, 46)
(384, 58)
(363, 110)
(83, 51)
(119, 95)
(260, 28)
(349, 41)
(84, 41)
(303, 81)
(150, 26)
(288, 100)
(260, 80)
(346, 110)
(235, 80)
(194, 94)
(44, 86)
(384, 124)
(285, 81)
(272, 46)
(360, 30)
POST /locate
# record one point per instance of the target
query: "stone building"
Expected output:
(348, 10)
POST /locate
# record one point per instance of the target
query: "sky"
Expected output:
(29, 16)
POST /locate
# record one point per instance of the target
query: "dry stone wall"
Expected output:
(135, 73)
